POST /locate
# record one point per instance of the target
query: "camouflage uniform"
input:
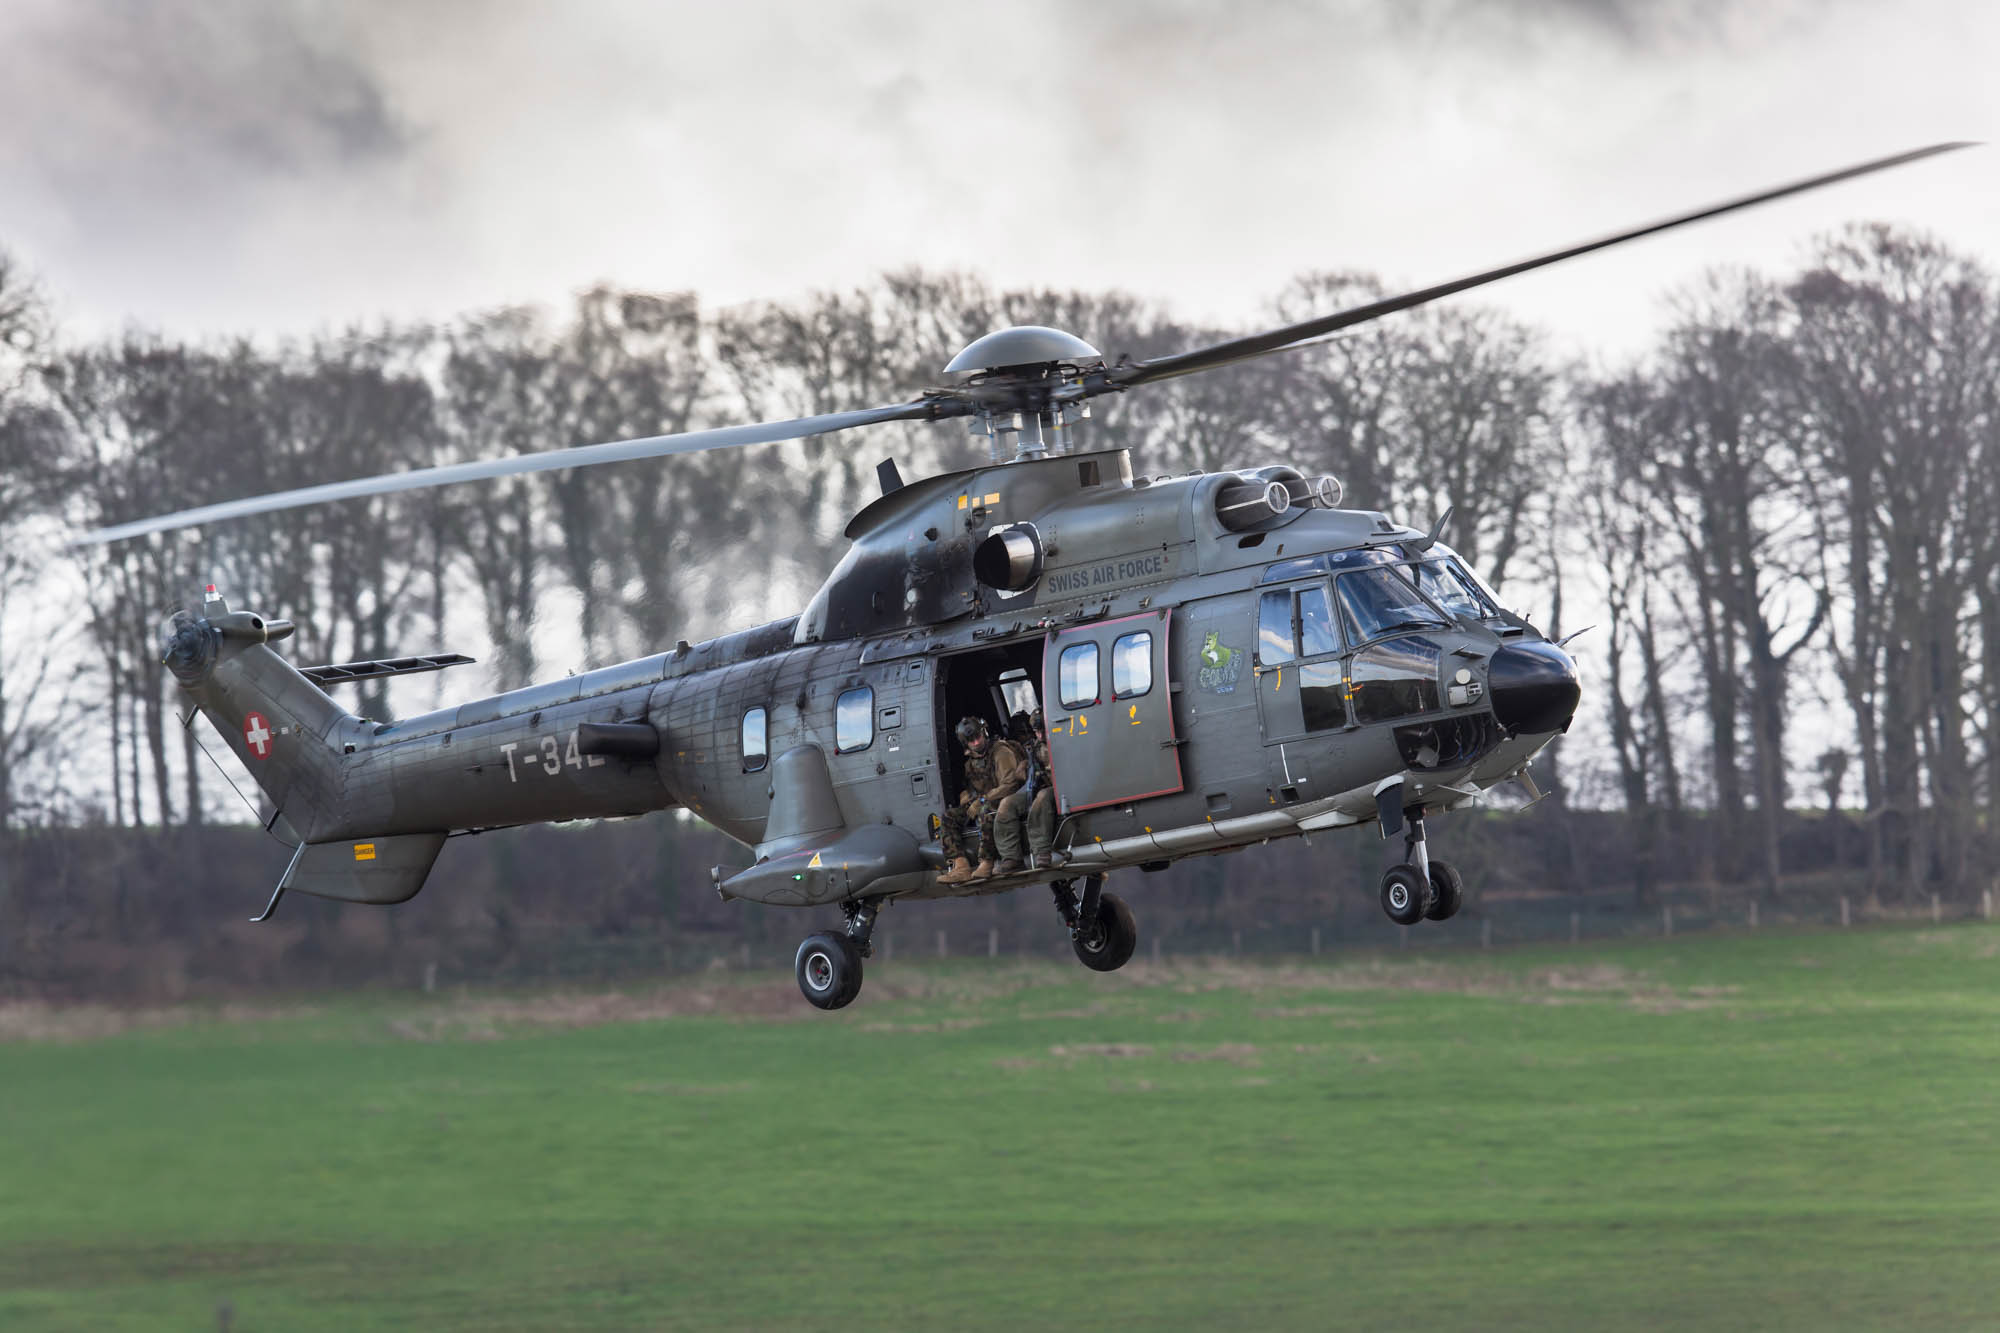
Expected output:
(1031, 810)
(990, 779)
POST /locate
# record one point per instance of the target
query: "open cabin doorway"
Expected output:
(1001, 685)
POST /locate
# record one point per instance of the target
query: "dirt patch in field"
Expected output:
(1106, 1050)
(941, 1025)
(1206, 976)
(34, 1020)
(1239, 1053)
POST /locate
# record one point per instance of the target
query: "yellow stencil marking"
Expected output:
(962, 499)
(993, 498)
(814, 863)
(1277, 680)
(364, 851)
(1135, 715)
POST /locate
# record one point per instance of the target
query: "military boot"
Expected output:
(960, 872)
(1010, 866)
(984, 870)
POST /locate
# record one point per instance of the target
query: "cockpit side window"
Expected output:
(1375, 602)
(1276, 644)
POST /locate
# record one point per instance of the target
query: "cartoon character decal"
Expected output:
(1221, 665)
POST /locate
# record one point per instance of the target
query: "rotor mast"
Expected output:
(1027, 382)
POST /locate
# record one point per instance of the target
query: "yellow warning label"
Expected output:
(962, 499)
(814, 863)
(364, 851)
(992, 498)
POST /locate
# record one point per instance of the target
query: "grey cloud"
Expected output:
(129, 98)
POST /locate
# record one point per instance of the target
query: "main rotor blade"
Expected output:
(1277, 340)
(619, 451)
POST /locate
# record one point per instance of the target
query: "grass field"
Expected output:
(1751, 1131)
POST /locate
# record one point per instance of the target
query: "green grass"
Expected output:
(1753, 1131)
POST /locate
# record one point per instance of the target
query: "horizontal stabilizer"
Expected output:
(388, 666)
(365, 870)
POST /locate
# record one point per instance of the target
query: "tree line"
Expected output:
(1782, 514)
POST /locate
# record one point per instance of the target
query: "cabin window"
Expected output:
(1318, 635)
(1275, 645)
(1076, 675)
(1132, 665)
(1376, 602)
(854, 721)
(755, 755)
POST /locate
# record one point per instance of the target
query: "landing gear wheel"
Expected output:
(1105, 944)
(1448, 891)
(829, 970)
(1405, 895)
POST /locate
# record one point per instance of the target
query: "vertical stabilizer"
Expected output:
(289, 734)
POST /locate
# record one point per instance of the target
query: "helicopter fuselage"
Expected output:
(1205, 688)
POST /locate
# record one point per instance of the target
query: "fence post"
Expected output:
(1315, 941)
(940, 944)
(1404, 943)
(1156, 948)
(1937, 910)
(1753, 914)
(1236, 943)
(430, 977)
(1986, 903)
(888, 947)
(992, 941)
(1486, 933)
(1667, 917)
(1843, 911)
(1575, 927)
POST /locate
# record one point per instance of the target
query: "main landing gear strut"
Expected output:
(1101, 928)
(829, 964)
(1420, 888)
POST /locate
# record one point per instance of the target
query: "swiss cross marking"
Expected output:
(257, 734)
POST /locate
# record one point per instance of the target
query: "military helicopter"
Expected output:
(1222, 659)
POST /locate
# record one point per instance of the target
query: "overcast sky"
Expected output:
(270, 167)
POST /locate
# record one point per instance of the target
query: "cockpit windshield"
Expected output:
(1377, 602)
(1441, 581)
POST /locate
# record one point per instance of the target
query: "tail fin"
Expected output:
(289, 734)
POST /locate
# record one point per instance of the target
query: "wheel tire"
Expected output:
(1106, 944)
(828, 969)
(1405, 895)
(1448, 890)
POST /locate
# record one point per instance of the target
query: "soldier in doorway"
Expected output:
(1029, 812)
(994, 771)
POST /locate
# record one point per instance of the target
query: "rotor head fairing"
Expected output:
(1022, 345)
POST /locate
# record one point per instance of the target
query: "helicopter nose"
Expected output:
(1534, 687)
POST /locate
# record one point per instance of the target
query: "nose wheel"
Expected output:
(1101, 927)
(1421, 889)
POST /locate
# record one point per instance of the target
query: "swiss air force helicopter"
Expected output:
(1222, 659)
